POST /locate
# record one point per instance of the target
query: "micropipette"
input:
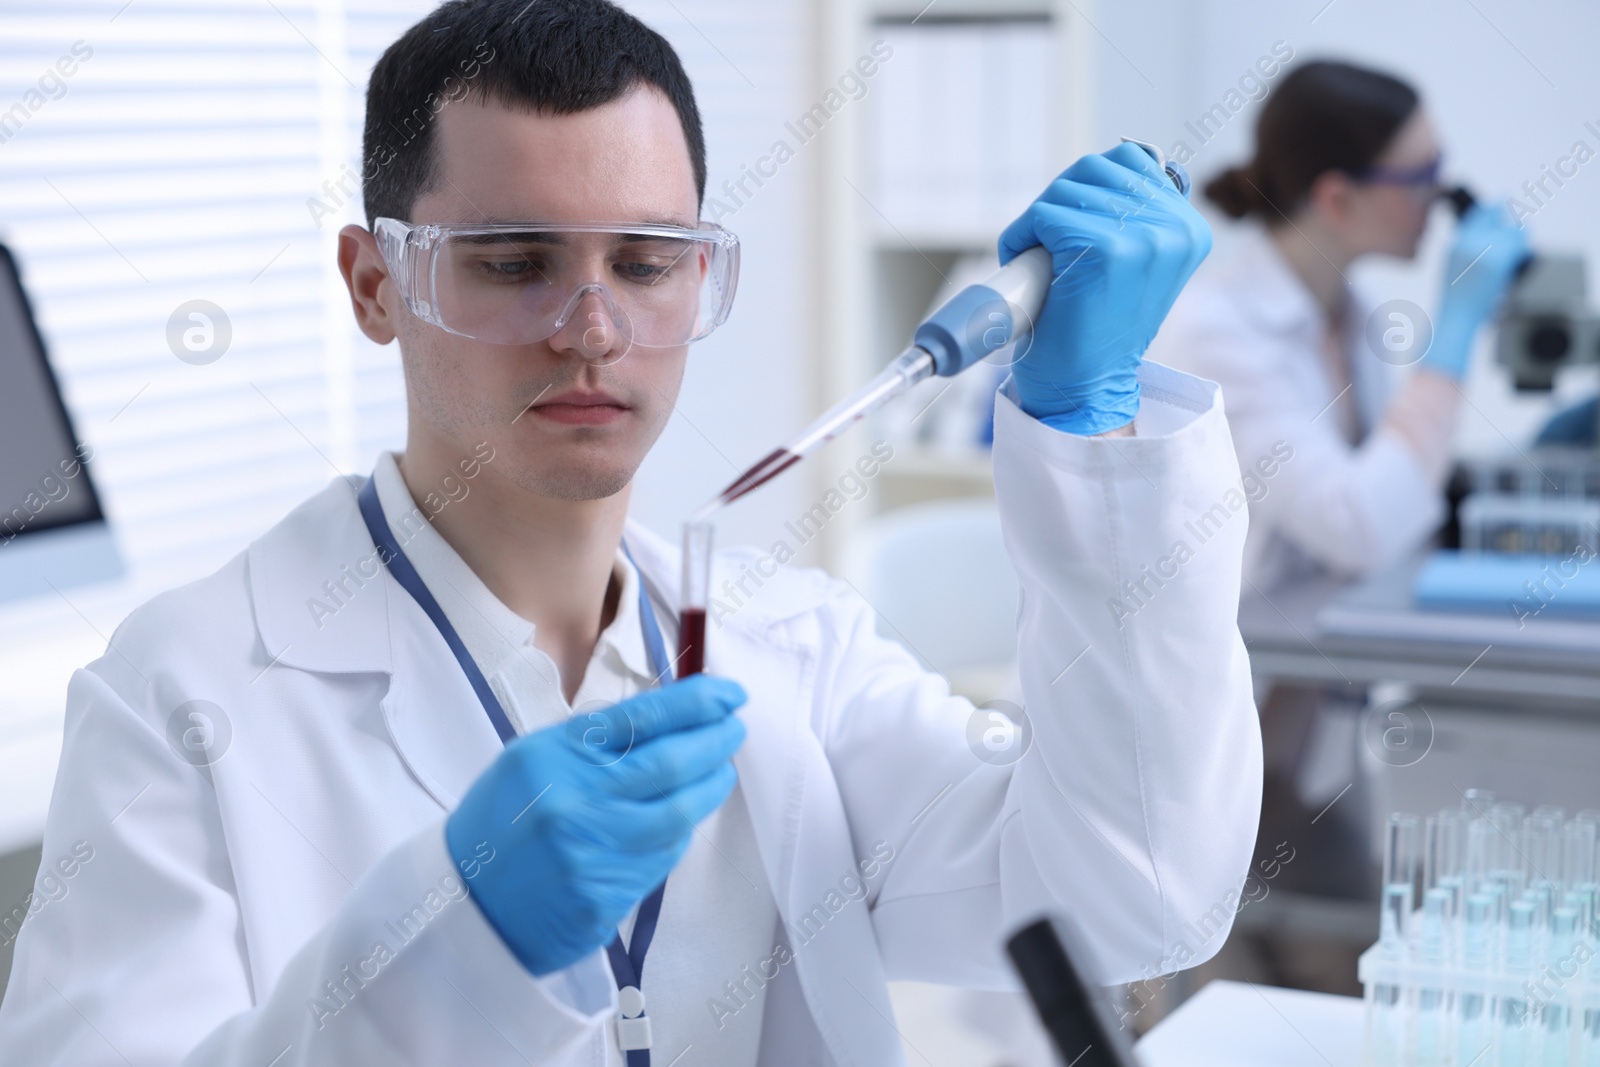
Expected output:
(975, 323)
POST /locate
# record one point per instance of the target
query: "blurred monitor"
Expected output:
(52, 531)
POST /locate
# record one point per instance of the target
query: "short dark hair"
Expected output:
(1326, 115)
(552, 56)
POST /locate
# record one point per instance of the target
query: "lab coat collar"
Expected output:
(323, 602)
(625, 635)
(317, 587)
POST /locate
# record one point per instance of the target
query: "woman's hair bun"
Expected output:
(1235, 192)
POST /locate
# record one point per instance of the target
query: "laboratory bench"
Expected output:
(1477, 700)
(1241, 1024)
(1369, 633)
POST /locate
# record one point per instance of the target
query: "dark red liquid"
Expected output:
(772, 465)
(691, 641)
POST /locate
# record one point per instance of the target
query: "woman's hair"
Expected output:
(1323, 116)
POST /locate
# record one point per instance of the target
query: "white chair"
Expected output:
(938, 577)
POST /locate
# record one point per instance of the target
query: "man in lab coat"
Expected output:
(310, 845)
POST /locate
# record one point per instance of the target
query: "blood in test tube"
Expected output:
(693, 598)
(691, 641)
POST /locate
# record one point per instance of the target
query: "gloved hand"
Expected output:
(1123, 242)
(1489, 247)
(584, 818)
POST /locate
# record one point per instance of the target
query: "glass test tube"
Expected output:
(1516, 1016)
(1562, 967)
(1399, 875)
(1433, 849)
(1577, 853)
(693, 598)
(1444, 857)
(1475, 803)
(1480, 855)
(1541, 860)
(1509, 867)
(1400, 858)
(1473, 1031)
(1432, 1004)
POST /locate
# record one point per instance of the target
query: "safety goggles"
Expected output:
(1422, 174)
(517, 283)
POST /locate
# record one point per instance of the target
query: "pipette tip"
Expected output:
(768, 467)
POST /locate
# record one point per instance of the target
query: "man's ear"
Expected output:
(373, 296)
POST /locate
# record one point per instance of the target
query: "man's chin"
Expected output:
(579, 480)
(579, 463)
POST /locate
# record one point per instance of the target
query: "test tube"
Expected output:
(693, 598)
(1561, 966)
(1551, 811)
(1577, 853)
(1394, 920)
(1473, 1031)
(1541, 897)
(1400, 856)
(1496, 892)
(1578, 901)
(1399, 876)
(1480, 854)
(1475, 803)
(1443, 857)
(1388, 998)
(1433, 849)
(1541, 861)
(1507, 822)
(1516, 1016)
(1432, 1004)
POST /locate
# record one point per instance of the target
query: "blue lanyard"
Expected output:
(627, 962)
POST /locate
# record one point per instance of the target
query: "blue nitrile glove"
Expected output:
(1123, 242)
(1489, 247)
(573, 825)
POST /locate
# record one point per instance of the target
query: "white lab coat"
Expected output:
(219, 901)
(1248, 322)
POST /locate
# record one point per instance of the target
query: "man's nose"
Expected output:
(595, 328)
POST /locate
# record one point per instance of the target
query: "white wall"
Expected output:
(1509, 83)
(748, 385)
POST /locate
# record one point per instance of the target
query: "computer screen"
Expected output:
(43, 482)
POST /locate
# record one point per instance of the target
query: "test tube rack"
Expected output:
(1500, 965)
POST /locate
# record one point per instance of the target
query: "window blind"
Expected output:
(174, 163)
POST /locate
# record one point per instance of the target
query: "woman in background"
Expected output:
(1344, 466)
(1346, 166)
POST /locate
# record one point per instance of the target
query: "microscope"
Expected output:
(1547, 323)
(1544, 500)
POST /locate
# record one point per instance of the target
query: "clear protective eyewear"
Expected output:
(517, 283)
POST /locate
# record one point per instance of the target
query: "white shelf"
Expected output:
(879, 272)
(971, 465)
(924, 474)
